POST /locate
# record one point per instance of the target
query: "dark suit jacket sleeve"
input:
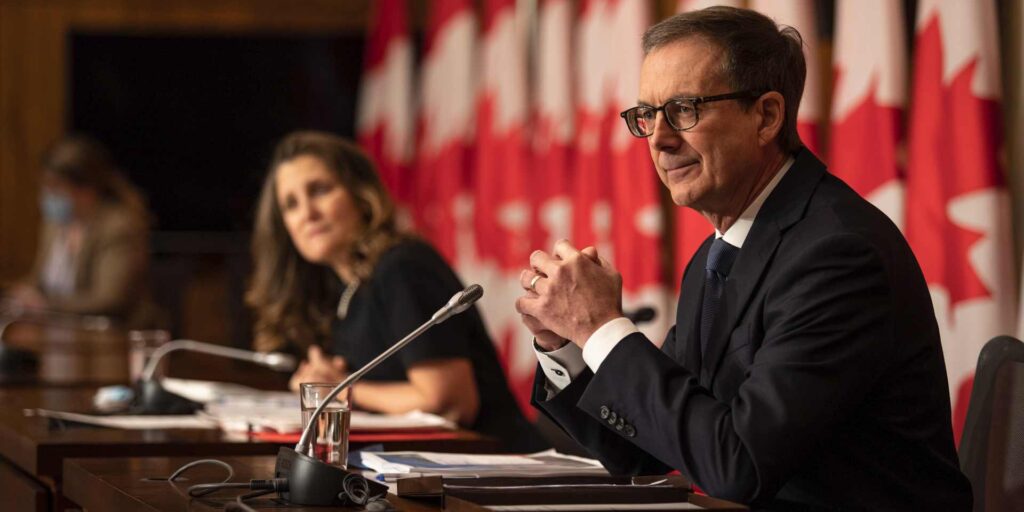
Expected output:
(616, 453)
(827, 316)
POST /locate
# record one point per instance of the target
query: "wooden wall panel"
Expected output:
(34, 62)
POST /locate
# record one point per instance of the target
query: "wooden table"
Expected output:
(72, 356)
(131, 484)
(121, 485)
(32, 450)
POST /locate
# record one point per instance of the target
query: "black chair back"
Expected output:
(992, 446)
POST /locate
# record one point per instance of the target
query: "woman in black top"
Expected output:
(334, 278)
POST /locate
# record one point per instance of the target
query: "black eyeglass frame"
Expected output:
(693, 103)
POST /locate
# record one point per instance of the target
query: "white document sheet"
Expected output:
(128, 422)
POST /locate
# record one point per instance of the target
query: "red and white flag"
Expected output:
(594, 77)
(501, 174)
(637, 223)
(553, 127)
(800, 15)
(384, 122)
(501, 166)
(445, 128)
(957, 216)
(868, 101)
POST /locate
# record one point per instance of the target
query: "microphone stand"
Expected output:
(153, 398)
(314, 482)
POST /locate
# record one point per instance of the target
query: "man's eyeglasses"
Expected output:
(681, 113)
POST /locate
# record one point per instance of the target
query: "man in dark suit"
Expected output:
(804, 370)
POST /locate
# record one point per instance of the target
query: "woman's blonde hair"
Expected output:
(294, 299)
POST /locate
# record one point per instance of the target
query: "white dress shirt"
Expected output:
(562, 365)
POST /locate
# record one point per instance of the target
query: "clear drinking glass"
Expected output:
(141, 345)
(329, 438)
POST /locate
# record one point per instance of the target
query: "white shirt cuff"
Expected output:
(605, 339)
(562, 365)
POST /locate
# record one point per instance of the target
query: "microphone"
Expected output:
(154, 399)
(641, 315)
(273, 360)
(314, 482)
(459, 302)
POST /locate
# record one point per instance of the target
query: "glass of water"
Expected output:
(329, 437)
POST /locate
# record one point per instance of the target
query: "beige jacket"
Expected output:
(112, 268)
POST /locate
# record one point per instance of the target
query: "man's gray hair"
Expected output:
(757, 55)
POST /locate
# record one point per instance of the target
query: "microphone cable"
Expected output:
(355, 488)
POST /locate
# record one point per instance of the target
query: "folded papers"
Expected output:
(543, 463)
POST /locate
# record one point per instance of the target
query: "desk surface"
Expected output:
(70, 356)
(38, 447)
(121, 484)
(125, 484)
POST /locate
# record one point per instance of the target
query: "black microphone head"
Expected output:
(459, 302)
(471, 294)
(641, 315)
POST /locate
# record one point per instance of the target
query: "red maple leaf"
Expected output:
(865, 143)
(953, 145)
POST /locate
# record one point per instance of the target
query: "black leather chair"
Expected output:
(992, 446)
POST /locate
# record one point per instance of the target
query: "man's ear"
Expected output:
(772, 109)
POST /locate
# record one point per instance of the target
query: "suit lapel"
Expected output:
(784, 206)
(687, 320)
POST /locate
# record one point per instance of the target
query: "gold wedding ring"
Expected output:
(533, 283)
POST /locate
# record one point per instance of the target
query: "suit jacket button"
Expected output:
(604, 411)
(620, 424)
(612, 418)
(629, 431)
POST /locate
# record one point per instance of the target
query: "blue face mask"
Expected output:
(56, 208)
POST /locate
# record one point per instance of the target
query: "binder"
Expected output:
(465, 494)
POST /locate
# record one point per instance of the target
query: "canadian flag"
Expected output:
(694, 5)
(553, 127)
(868, 101)
(501, 208)
(594, 76)
(957, 217)
(500, 170)
(384, 121)
(799, 14)
(445, 126)
(637, 222)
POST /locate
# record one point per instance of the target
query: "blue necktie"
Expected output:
(720, 260)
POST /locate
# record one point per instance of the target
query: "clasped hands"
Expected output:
(569, 294)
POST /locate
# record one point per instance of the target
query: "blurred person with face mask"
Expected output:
(93, 251)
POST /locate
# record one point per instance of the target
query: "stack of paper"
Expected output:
(272, 412)
(546, 463)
